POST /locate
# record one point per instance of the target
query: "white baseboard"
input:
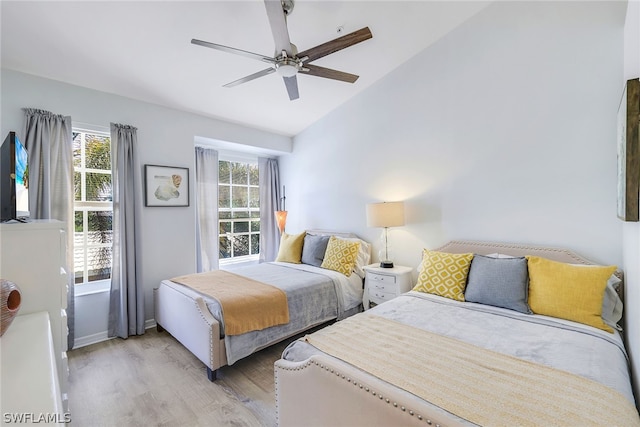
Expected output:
(104, 336)
(90, 339)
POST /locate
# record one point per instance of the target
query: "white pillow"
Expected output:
(498, 255)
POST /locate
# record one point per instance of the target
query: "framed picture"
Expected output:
(629, 152)
(166, 186)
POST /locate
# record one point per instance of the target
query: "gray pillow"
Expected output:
(501, 282)
(313, 249)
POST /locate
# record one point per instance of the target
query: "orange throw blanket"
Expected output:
(247, 305)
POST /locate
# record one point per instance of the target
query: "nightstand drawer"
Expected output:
(381, 278)
(383, 287)
(379, 297)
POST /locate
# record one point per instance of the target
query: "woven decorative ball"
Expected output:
(10, 299)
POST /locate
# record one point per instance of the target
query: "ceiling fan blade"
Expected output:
(336, 44)
(292, 87)
(251, 77)
(328, 73)
(278, 23)
(234, 51)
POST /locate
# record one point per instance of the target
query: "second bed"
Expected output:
(314, 295)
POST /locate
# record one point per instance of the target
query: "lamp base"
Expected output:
(386, 264)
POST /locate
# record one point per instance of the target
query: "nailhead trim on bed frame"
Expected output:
(210, 336)
(361, 386)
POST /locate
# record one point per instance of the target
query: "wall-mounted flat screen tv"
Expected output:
(14, 179)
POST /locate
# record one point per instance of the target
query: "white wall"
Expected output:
(503, 130)
(165, 137)
(631, 230)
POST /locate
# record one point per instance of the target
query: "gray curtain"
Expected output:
(49, 141)
(269, 181)
(126, 303)
(207, 209)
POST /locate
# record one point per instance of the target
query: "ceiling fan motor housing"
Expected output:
(288, 66)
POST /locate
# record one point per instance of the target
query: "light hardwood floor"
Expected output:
(152, 380)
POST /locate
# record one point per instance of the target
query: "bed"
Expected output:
(314, 295)
(423, 359)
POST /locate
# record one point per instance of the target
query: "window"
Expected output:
(93, 207)
(238, 210)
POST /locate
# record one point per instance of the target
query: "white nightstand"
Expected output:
(383, 284)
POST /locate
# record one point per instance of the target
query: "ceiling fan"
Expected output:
(287, 61)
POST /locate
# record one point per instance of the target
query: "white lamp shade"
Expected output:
(386, 214)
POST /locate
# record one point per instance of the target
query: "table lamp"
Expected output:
(385, 214)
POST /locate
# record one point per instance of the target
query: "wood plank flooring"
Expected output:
(152, 380)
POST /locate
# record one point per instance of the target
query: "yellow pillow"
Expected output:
(340, 255)
(568, 291)
(291, 248)
(443, 274)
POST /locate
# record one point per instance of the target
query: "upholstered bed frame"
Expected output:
(189, 320)
(304, 390)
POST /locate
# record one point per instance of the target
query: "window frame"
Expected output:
(101, 285)
(253, 161)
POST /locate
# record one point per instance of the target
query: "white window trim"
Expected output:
(239, 259)
(91, 288)
(238, 157)
(96, 286)
(89, 128)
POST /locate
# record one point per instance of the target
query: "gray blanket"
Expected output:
(564, 345)
(313, 297)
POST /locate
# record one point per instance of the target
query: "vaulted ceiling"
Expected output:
(142, 50)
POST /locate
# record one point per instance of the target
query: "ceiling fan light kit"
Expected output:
(289, 62)
(287, 70)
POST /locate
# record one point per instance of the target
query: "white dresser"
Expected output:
(29, 378)
(33, 256)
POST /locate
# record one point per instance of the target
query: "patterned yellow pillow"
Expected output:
(340, 255)
(571, 292)
(443, 274)
(291, 248)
